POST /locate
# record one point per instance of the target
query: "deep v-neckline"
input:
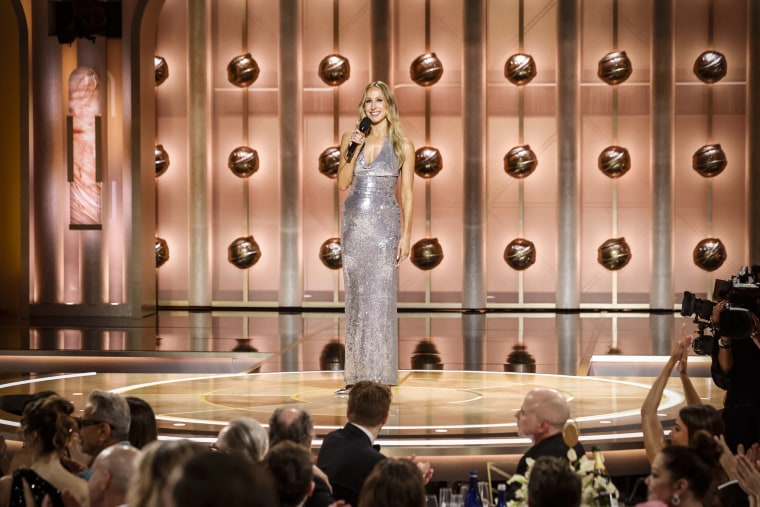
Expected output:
(382, 147)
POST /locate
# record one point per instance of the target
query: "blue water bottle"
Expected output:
(502, 495)
(473, 498)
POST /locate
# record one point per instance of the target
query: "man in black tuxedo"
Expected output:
(347, 455)
(542, 417)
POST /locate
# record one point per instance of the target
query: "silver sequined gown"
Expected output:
(370, 232)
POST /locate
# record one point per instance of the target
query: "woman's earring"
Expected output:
(676, 500)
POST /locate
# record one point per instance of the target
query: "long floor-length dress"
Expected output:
(370, 231)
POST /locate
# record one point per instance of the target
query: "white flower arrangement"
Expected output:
(591, 485)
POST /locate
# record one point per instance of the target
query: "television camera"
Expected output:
(742, 296)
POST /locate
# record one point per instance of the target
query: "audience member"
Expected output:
(104, 422)
(542, 418)
(46, 426)
(215, 479)
(296, 425)
(553, 484)
(21, 456)
(393, 483)
(686, 476)
(347, 455)
(142, 425)
(112, 472)
(243, 435)
(290, 465)
(157, 462)
(693, 417)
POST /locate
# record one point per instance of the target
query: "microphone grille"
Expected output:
(365, 125)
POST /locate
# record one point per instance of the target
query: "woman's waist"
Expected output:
(374, 180)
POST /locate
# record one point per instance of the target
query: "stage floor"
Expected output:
(459, 413)
(433, 412)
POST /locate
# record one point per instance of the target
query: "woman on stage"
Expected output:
(375, 234)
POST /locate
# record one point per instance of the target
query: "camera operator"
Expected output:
(736, 368)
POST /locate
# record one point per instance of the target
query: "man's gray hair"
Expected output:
(113, 409)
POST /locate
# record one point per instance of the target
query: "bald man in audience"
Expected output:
(542, 417)
(112, 470)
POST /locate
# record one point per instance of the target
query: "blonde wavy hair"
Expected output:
(395, 131)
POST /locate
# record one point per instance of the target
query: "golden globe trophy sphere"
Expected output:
(427, 162)
(614, 254)
(162, 159)
(243, 161)
(161, 70)
(709, 160)
(242, 71)
(709, 254)
(334, 70)
(331, 253)
(520, 254)
(520, 69)
(520, 161)
(710, 67)
(614, 161)
(614, 68)
(427, 253)
(329, 162)
(426, 69)
(162, 252)
(244, 252)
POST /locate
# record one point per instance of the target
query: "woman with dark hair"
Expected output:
(393, 483)
(142, 425)
(46, 427)
(694, 416)
(686, 476)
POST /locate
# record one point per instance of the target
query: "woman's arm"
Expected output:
(654, 433)
(346, 167)
(407, 183)
(692, 398)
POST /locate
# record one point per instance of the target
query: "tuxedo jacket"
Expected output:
(347, 457)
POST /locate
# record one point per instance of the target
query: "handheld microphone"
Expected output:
(364, 127)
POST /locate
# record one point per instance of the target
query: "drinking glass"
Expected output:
(485, 493)
(444, 497)
(457, 501)
(431, 501)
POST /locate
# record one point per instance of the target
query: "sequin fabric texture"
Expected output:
(370, 232)
(38, 486)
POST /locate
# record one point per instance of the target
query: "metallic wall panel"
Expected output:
(381, 32)
(48, 179)
(474, 127)
(200, 132)
(291, 141)
(568, 132)
(662, 117)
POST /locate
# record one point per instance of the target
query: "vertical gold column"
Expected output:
(14, 186)
(199, 139)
